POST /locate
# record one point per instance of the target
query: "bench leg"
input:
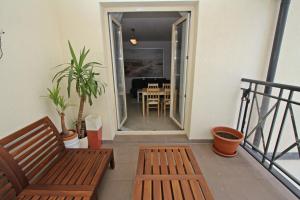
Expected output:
(94, 197)
(112, 161)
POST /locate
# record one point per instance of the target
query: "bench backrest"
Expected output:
(29, 151)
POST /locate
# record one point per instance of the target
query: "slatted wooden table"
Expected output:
(169, 172)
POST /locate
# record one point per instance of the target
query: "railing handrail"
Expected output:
(276, 85)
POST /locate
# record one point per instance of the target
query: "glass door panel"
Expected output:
(178, 69)
(118, 68)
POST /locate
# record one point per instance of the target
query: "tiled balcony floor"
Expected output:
(239, 178)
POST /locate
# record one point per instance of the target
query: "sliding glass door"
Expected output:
(180, 31)
(118, 68)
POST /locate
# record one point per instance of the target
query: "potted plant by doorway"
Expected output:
(70, 137)
(83, 76)
(226, 140)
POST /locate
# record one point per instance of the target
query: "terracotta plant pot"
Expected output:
(226, 140)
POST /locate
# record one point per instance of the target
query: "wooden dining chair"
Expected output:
(166, 85)
(152, 85)
(153, 100)
(166, 102)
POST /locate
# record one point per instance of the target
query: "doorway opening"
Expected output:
(149, 56)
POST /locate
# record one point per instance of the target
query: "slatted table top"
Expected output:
(169, 172)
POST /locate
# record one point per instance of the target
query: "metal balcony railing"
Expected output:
(268, 117)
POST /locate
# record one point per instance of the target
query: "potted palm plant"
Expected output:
(82, 75)
(69, 136)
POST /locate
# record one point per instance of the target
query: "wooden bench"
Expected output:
(169, 172)
(36, 163)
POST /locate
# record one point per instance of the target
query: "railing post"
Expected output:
(241, 108)
(247, 99)
(251, 108)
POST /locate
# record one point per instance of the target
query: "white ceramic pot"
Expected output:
(72, 143)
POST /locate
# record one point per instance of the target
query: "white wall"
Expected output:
(166, 45)
(234, 40)
(31, 48)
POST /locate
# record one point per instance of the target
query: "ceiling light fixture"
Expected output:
(133, 39)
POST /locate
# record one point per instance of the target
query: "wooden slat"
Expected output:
(197, 192)
(186, 162)
(55, 170)
(33, 153)
(141, 162)
(189, 170)
(156, 171)
(45, 162)
(148, 170)
(138, 189)
(204, 187)
(12, 137)
(89, 178)
(193, 161)
(147, 194)
(32, 163)
(164, 171)
(83, 167)
(187, 193)
(103, 165)
(29, 136)
(22, 148)
(175, 183)
(80, 157)
(87, 168)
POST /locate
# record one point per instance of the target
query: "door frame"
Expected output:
(176, 6)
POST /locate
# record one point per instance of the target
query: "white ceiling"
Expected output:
(149, 26)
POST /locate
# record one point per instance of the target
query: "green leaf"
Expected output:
(74, 59)
(70, 78)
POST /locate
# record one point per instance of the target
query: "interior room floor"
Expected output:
(236, 178)
(136, 121)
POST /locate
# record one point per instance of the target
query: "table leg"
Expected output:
(143, 104)
(138, 96)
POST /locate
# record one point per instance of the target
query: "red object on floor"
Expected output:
(94, 139)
